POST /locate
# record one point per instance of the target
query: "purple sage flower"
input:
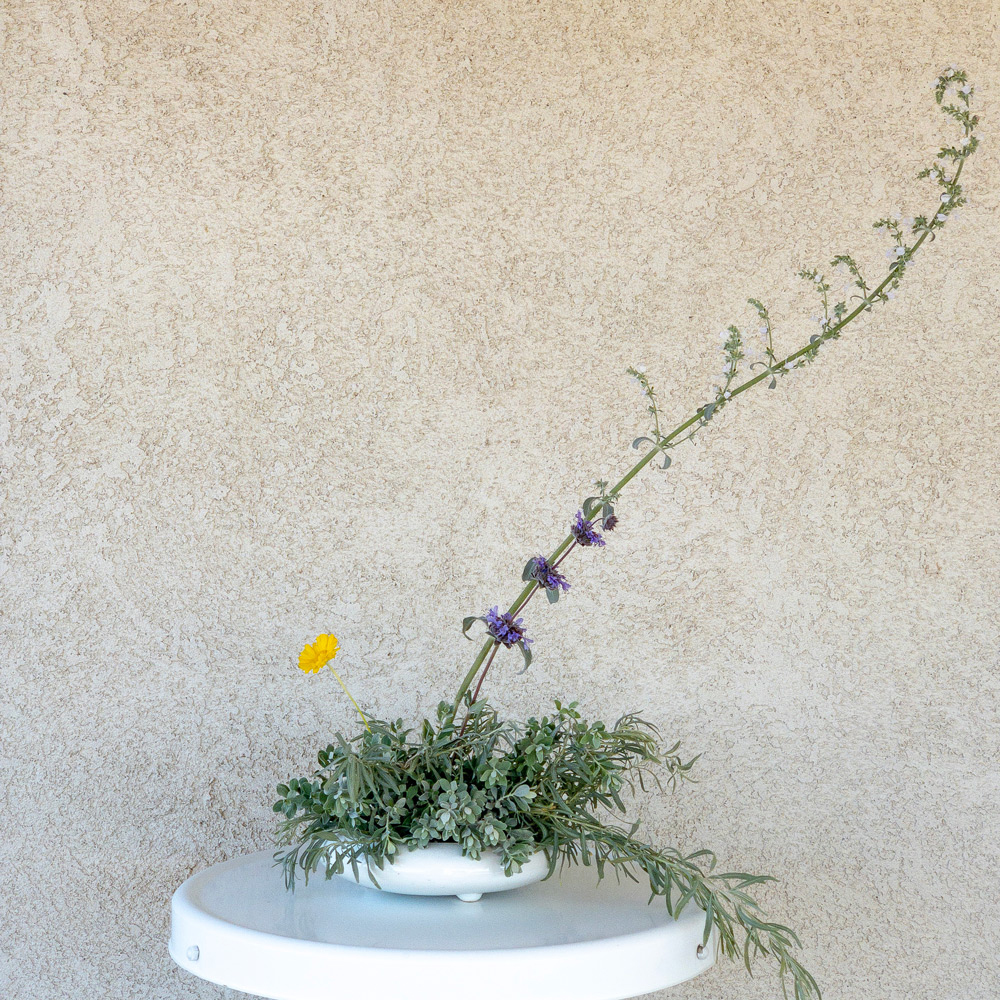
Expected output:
(583, 531)
(610, 523)
(546, 575)
(506, 628)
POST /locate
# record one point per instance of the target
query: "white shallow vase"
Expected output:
(442, 870)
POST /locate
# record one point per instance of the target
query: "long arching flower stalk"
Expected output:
(952, 84)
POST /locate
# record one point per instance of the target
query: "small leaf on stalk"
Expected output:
(641, 440)
(552, 595)
(467, 624)
(772, 383)
(526, 653)
(529, 568)
(666, 461)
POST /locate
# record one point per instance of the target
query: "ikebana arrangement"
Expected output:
(551, 787)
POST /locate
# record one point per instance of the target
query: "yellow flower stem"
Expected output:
(349, 695)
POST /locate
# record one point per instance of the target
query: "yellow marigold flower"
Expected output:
(317, 655)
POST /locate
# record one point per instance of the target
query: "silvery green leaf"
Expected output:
(666, 461)
(552, 595)
(526, 653)
(467, 624)
(529, 567)
(641, 440)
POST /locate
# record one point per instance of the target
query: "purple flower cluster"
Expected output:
(546, 575)
(583, 531)
(505, 628)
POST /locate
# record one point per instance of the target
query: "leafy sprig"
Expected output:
(907, 235)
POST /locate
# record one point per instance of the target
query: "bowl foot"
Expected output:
(470, 897)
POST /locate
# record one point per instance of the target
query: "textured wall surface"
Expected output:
(314, 318)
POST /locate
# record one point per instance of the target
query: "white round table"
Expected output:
(568, 938)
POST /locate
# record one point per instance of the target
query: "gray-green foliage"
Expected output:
(487, 785)
(554, 784)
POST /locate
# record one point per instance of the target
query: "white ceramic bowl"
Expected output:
(442, 870)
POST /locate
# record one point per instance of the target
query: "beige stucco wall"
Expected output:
(314, 318)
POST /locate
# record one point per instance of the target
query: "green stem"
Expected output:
(486, 667)
(775, 369)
